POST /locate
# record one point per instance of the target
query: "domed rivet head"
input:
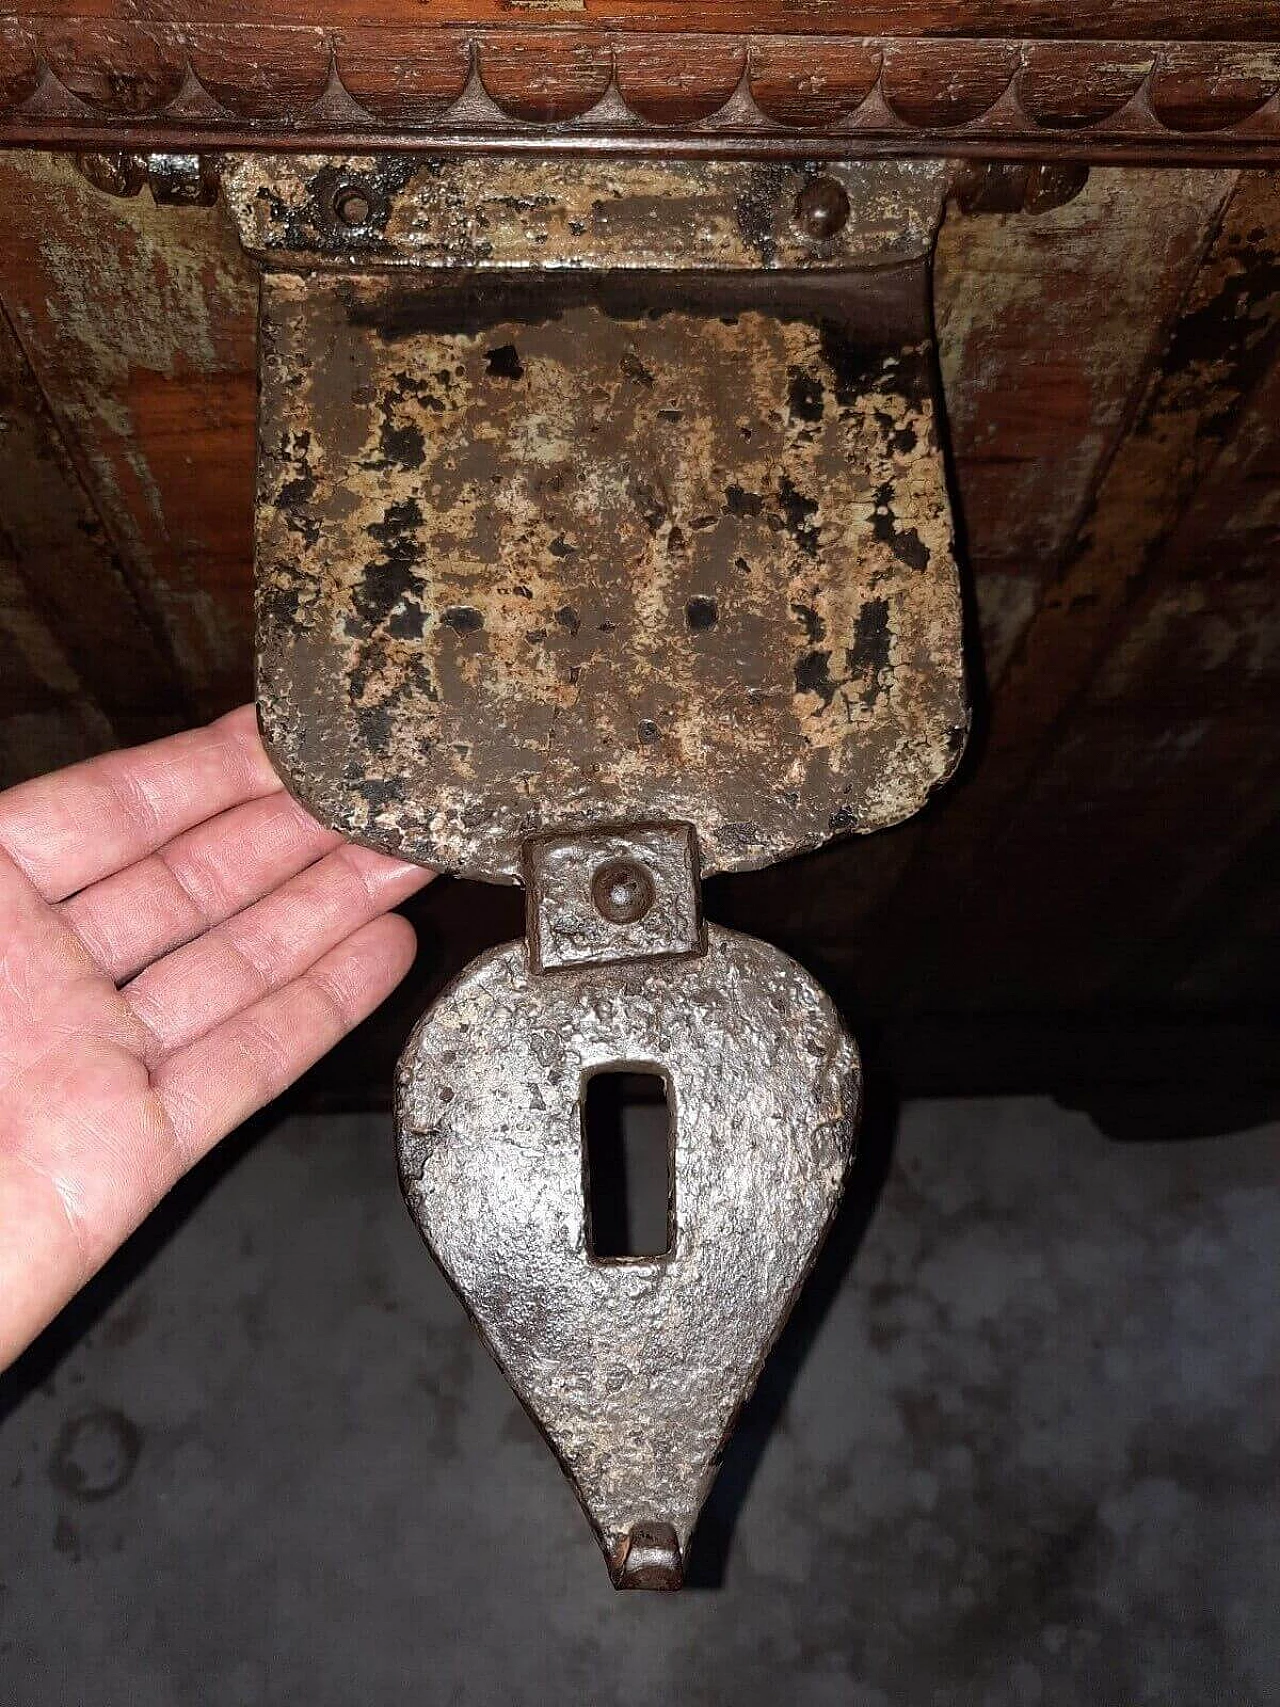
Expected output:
(822, 208)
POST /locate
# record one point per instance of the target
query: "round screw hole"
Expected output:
(622, 892)
(352, 207)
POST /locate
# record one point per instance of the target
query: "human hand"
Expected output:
(179, 940)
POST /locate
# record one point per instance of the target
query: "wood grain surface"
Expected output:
(1092, 79)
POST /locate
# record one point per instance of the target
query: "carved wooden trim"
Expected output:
(95, 82)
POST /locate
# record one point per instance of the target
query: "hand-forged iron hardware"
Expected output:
(603, 539)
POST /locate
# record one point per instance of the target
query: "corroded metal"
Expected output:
(636, 1370)
(113, 171)
(538, 555)
(362, 212)
(603, 537)
(625, 894)
(183, 180)
(1007, 186)
(175, 180)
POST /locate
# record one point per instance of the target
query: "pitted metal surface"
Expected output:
(634, 1371)
(625, 894)
(537, 558)
(369, 213)
(603, 537)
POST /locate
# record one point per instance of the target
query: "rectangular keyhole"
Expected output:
(627, 1145)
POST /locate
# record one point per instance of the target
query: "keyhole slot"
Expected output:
(628, 1164)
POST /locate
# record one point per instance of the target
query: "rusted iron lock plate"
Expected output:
(603, 539)
(603, 494)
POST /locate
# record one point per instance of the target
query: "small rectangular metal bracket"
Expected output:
(609, 896)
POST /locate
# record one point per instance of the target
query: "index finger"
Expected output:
(79, 825)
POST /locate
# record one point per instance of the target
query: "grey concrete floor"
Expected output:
(1019, 1447)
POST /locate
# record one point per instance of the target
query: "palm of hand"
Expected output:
(178, 941)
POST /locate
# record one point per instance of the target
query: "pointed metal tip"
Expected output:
(648, 1556)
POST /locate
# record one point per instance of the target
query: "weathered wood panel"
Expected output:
(1223, 956)
(139, 323)
(1199, 661)
(47, 717)
(56, 543)
(1034, 406)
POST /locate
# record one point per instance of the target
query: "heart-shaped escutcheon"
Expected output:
(634, 1367)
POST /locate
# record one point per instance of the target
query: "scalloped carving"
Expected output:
(398, 79)
(1052, 93)
(115, 68)
(1188, 95)
(934, 91)
(72, 82)
(806, 90)
(545, 78)
(683, 86)
(19, 64)
(278, 75)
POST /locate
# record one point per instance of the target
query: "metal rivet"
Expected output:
(822, 208)
(622, 891)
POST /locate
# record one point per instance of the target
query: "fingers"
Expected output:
(196, 881)
(38, 963)
(215, 1083)
(90, 1168)
(79, 825)
(198, 987)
